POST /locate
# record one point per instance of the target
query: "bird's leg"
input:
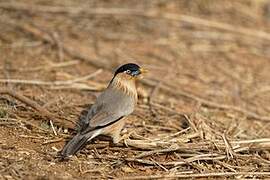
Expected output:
(116, 137)
(114, 131)
(125, 137)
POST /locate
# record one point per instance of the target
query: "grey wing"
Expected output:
(110, 106)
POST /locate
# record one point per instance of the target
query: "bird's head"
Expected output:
(130, 70)
(125, 76)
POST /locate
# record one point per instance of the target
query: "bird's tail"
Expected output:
(76, 143)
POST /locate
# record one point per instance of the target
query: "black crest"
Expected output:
(131, 67)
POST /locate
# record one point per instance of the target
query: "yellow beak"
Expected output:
(143, 71)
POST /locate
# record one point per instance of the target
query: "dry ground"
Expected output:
(203, 109)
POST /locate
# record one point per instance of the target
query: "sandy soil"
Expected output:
(203, 108)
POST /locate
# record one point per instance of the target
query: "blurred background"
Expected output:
(208, 59)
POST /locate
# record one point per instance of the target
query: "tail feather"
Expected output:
(75, 144)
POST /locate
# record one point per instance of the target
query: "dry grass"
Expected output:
(203, 110)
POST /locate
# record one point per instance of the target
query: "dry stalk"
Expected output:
(136, 12)
(202, 175)
(43, 112)
(179, 144)
(47, 67)
(68, 84)
(75, 53)
(171, 90)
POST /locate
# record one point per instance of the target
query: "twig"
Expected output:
(89, 76)
(178, 92)
(55, 133)
(53, 141)
(229, 149)
(158, 151)
(54, 83)
(32, 124)
(68, 10)
(80, 86)
(226, 165)
(161, 166)
(200, 157)
(39, 68)
(159, 144)
(201, 175)
(68, 84)
(191, 123)
(176, 134)
(43, 112)
(33, 137)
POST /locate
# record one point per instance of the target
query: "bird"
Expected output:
(108, 114)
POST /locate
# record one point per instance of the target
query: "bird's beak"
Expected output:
(143, 71)
(138, 72)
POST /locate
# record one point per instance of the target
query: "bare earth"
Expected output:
(204, 106)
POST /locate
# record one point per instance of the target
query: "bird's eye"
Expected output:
(128, 71)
